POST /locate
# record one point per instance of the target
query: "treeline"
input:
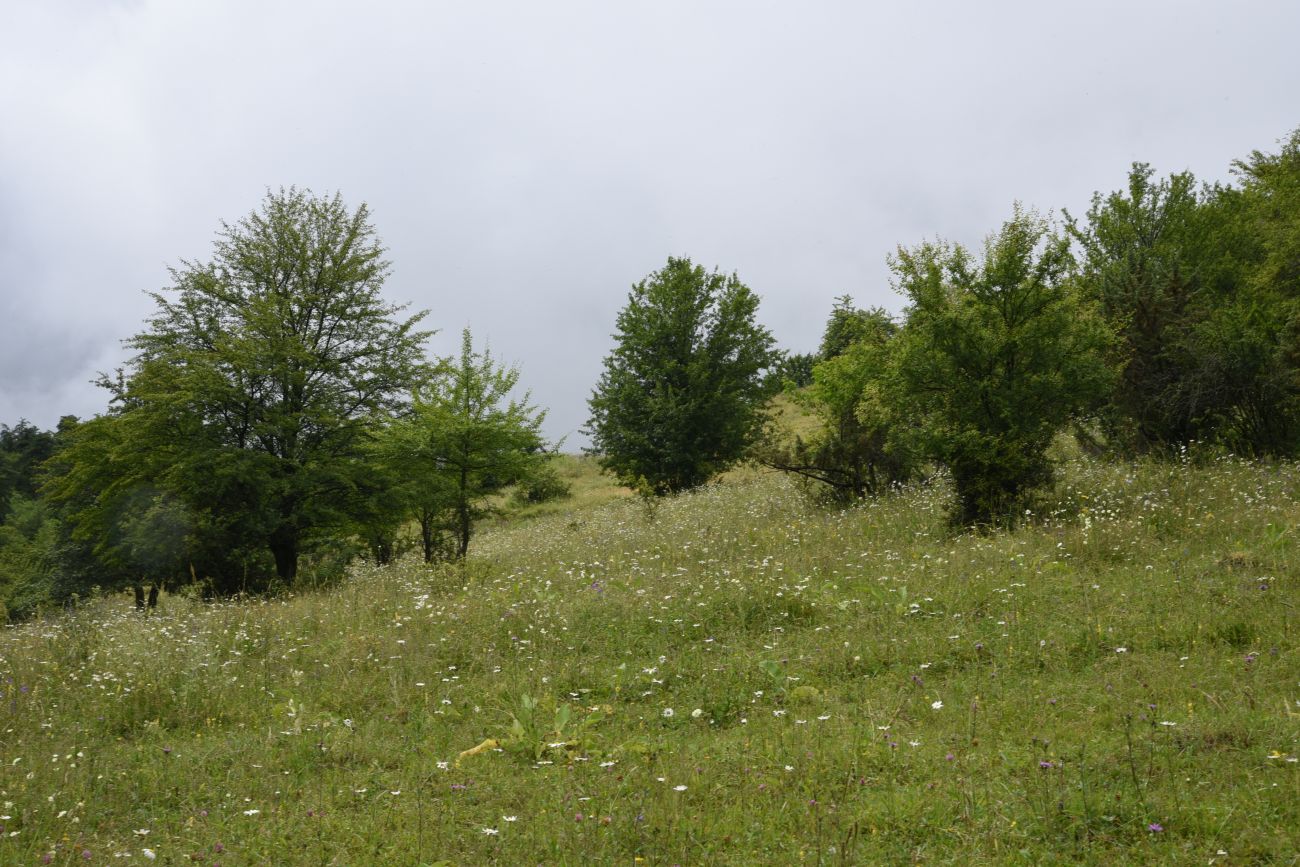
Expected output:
(1166, 318)
(277, 419)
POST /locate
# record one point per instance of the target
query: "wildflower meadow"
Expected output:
(736, 675)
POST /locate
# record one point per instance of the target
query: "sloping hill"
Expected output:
(735, 676)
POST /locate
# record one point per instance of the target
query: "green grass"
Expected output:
(793, 418)
(588, 487)
(870, 688)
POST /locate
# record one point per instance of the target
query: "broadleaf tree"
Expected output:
(262, 375)
(681, 395)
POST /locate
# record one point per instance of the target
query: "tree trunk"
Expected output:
(284, 548)
(462, 513)
(153, 595)
(426, 536)
(463, 531)
(382, 547)
(139, 597)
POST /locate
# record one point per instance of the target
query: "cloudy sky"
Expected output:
(526, 162)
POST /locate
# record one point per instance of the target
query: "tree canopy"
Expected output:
(681, 393)
(996, 356)
(23, 448)
(464, 440)
(257, 384)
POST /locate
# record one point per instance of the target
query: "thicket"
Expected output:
(279, 418)
(1164, 321)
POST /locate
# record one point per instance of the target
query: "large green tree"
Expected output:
(997, 355)
(681, 394)
(258, 382)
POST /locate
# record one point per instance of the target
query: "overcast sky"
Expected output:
(526, 162)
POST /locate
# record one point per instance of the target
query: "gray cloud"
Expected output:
(527, 162)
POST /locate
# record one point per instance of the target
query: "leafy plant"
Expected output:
(860, 448)
(681, 395)
(254, 390)
(997, 356)
(464, 440)
(536, 729)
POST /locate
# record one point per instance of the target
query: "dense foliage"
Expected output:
(681, 394)
(1201, 286)
(237, 438)
(1176, 327)
(279, 412)
(463, 441)
(23, 448)
(1144, 262)
(846, 326)
(856, 450)
(996, 357)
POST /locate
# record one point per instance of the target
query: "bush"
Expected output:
(542, 486)
(857, 451)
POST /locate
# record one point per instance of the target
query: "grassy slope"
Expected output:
(870, 689)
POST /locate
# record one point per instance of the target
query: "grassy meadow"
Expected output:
(734, 676)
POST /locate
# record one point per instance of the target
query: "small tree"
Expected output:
(846, 326)
(681, 394)
(795, 368)
(463, 442)
(996, 356)
(857, 450)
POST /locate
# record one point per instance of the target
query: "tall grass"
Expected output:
(749, 678)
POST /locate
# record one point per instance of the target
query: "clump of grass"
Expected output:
(750, 678)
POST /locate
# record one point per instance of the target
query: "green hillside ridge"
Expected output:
(734, 676)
